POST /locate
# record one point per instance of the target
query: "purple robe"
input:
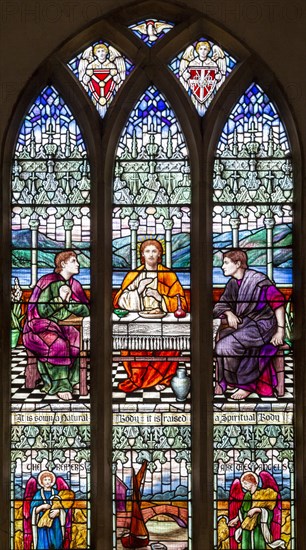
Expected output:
(49, 341)
(244, 354)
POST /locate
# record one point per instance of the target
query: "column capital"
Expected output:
(269, 223)
(235, 223)
(133, 224)
(34, 224)
(68, 224)
(168, 223)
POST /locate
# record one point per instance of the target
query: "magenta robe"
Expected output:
(45, 338)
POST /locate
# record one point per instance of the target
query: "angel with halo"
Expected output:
(202, 71)
(102, 71)
(255, 512)
(47, 513)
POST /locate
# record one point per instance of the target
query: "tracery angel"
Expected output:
(202, 71)
(102, 70)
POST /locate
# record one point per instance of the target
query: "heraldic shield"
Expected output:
(202, 82)
(102, 85)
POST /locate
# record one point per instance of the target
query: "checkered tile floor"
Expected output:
(289, 390)
(18, 390)
(149, 396)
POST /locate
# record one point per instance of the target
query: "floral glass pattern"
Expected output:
(253, 327)
(50, 429)
(151, 330)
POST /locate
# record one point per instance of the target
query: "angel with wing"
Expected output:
(255, 512)
(202, 71)
(102, 71)
(47, 513)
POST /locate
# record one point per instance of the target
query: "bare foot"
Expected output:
(240, 394)
(64, 395)
(160, 387)
(280, 390)
(218, 389)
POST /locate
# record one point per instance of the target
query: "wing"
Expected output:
(30, 490)
(116, 57)
(87, 57)
(235, 500)
(218, 57)
(188, 56)
(113, 53)
(268, 482)
(160, 27)
(61, 485)
(140, 28)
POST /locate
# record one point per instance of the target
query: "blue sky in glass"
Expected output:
(152, 113)
(122, 65)
(151, 30)
(177, 65)
(50, 112)
(254, 111)
(254, 143)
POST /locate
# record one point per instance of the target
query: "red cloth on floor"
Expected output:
(145, 374)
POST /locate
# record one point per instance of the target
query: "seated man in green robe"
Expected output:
(57, 347)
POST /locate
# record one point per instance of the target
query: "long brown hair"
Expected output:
(151, 242)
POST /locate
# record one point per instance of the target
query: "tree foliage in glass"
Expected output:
(151, 330)
(253, 404)
(50, 441)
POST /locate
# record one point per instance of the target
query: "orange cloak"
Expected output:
(145, 374)
(168, 286)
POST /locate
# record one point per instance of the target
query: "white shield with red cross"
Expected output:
(101, 85)
(202, 82)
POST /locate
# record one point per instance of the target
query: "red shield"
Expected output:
(101, 85)
(202, 82)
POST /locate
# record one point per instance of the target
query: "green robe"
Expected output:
(59, 377)
(253, 540)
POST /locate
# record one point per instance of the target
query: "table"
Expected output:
(133, 332)
(75, 321)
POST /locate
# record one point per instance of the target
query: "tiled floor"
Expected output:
(149, 396)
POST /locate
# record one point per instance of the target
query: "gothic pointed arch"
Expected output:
(102, 136)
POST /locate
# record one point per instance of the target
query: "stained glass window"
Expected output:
(148, 483)
(252, 276)
(151, 30)
(50, 335)
(151, 330)
(101, 69)
(201, 69)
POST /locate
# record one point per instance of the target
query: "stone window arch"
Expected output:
(101, 137)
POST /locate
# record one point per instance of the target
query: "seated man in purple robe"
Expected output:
(55, 297)
(253, 311)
